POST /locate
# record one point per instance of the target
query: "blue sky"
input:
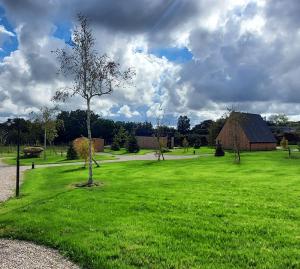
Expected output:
(11, 43)
(63, 31)
(178, 55)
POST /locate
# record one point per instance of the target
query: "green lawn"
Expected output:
(123, 151)
(199, 213)
(190, 151)
(53, 159)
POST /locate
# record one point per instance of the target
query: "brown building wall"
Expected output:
(262, 146)
(98, 144)
(226, 137)
(150, 142)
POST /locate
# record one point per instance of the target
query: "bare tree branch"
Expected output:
(92, 75)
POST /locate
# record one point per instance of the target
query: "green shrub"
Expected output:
(32, 152)
(197, 144)
(71, 153)
(132, 145)
(219, 150)
(121, 137)
(284, 143)
(115, 145)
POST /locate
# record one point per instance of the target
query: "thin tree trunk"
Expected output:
(88, 122)
(238, 156)
(161, 150)
(45, 142)
(158, 146)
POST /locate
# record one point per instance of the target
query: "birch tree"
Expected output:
(91, 75)
(235, 120)
(159, 134)
(47, 118)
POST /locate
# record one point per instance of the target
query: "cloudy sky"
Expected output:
(193, 57)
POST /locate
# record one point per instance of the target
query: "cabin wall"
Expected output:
(150, 142)
(263, 146)
(226, 137)
(98, 144)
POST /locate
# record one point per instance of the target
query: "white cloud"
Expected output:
(127, 112)
(254, 43)
(4, 31)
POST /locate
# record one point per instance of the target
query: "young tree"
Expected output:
(92, 75)
(121, 137)
(132, 144)
(235, 120)
(47, 118)
(284, 143)
(115, 144)
(82, 148)
(185, 144)
(159, 134)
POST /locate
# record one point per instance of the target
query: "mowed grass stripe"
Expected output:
(200, 213)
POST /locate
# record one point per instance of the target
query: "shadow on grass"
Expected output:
(87, 185)
(77, 169)
(36, 202)
(150, 163)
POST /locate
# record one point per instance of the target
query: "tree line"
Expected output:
(69, 125)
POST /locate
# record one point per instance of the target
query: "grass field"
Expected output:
(199, 213)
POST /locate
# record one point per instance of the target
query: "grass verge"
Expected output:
(199, 213)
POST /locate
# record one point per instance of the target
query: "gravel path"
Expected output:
(126, 158)
(15, 254)
(8, 181)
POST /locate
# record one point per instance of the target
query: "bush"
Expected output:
(115, 145)
(219, 150)
(197, 144)
(71, 153)
(132, 145)
(284, 143)
(32, 152)
(81, 146)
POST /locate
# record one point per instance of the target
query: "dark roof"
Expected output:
(256, 129)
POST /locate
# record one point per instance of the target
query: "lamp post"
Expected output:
(18, 160)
